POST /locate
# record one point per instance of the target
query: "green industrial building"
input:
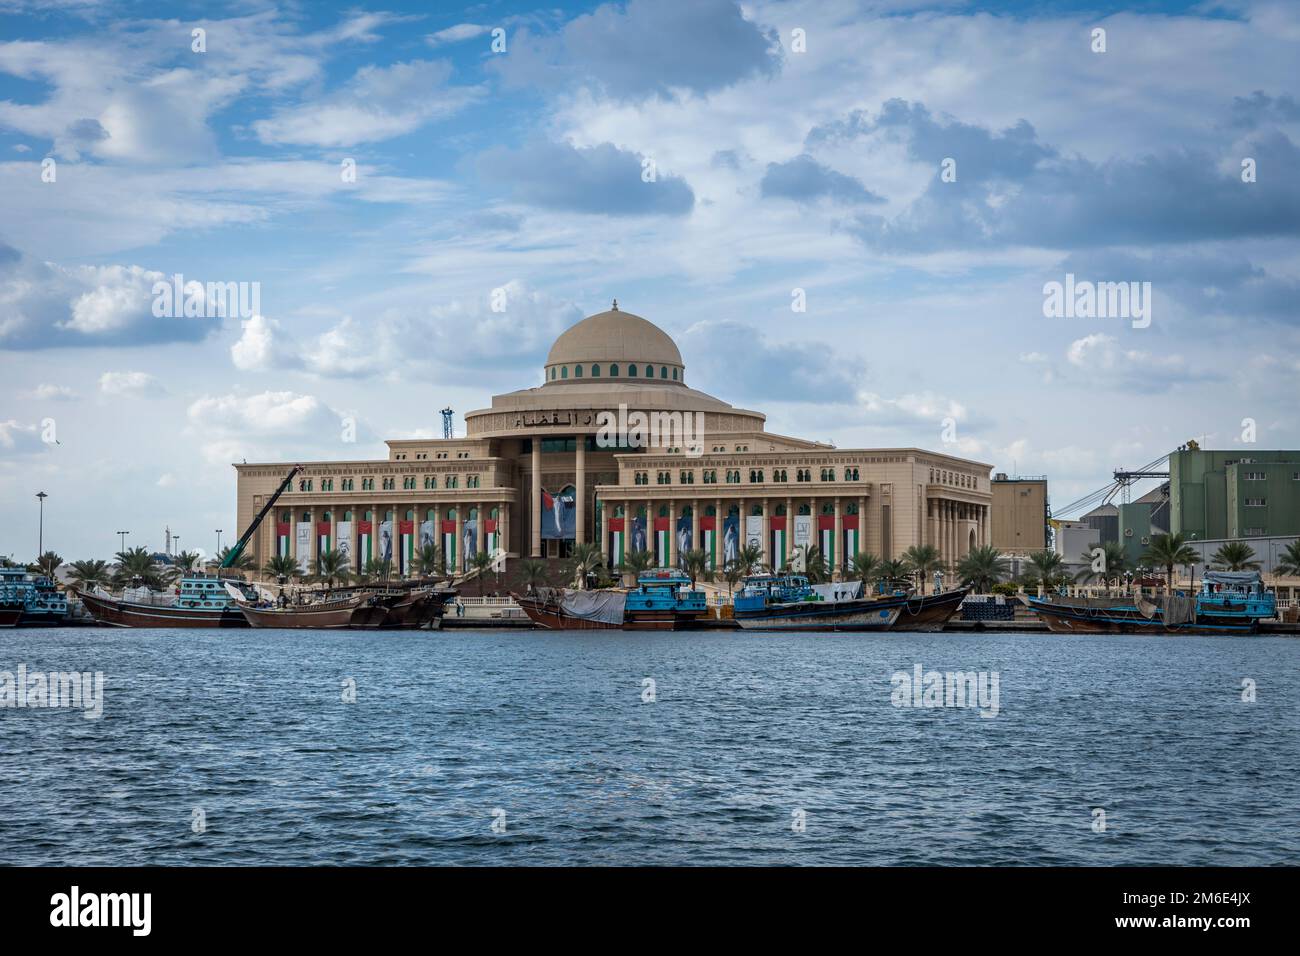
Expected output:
(1234, 494)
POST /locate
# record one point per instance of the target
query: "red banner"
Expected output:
(282, 529)
(825, 522)
(406, 527)
(661, 524)
(448, 526)
(850, 522)
(708, 523)
(615, 524)
(778, 522)
(489, 525)
(322, 527)
(363, 527)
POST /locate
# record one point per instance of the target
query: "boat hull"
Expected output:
(126, 614)
(662, 620)
(9, 616)
(822, 616)
(550, 616)
(1072, 619)
(930, 612)
(328, 615)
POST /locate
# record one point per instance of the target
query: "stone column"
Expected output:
(480, 532)
(839, 537)
(536, 509)
(672, 533)
(767, 535)
(580, 491)
(460, 537)
(862, 523)
(503, 527)
(720, 555)
(650, 530)
(598, 519)
(696, 543)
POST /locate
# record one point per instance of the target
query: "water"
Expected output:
(249, 727)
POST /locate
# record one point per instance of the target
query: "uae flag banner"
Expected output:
(851, 546)
(661, 542)
(778, 542)
(449, 543)
(709, 539)
(282, 538)
(365, 543)
(323, 541)
(406, 547)
(617, 541)
(491, 536)
(826, 535)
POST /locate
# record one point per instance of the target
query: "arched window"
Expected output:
(663, 371)
(552, 373)
(577, 371)
(631, 370)
(613, 369)
(564, 372)
(595, 371)
(674, 375)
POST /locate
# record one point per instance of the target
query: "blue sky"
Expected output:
(777, 169)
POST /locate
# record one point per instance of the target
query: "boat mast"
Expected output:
(238, 547)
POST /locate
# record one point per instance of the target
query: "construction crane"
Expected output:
(1124, 480)
(446, 422)
(238, 547)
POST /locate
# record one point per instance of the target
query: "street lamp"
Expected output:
(40, 533)
(218, 542)
(123, 535)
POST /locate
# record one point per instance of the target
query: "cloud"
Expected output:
(803, 179)
(598, 180)
(378, 103)
(1011, 189)
(130, 384)
(1102, 363)
(746, 366)
(646, 48)
(44, 305)
(911, 408)
(54, 393)
(270, 425)
(18, 439)
(457, 34)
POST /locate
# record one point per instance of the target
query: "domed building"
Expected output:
(615, 447)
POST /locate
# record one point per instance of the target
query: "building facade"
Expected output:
(615, 448)
(1234, 494)
(1020, 514)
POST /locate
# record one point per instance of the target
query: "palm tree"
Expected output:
(924, 559)
(46, 564)
(430, 561)
(377, 568)
(585, 559)
(1289, 563)
(185, 561)
(1047, 568)
(894, 569)
(865, 567)
(733, 574)
(982, 568)
(696, 565)
(814, 565)
(532, 573)
(634, 562)
(480, 562)
(245, 561)
(138, 564)
(1166, 551)
(333, 565)
(1114, 562)
(1235, 556)
(281, 566)
(750, 559)
(87, 575)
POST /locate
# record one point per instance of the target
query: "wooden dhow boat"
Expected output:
(787, 602)
(202, 600)
(930, 612)
(332, 613)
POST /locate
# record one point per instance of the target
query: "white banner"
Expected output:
(754, 532)
(343, 542)
(427, 539)
(303, 545)
(803, 530)
(386, 540)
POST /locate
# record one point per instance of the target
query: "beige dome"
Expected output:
(614, 336)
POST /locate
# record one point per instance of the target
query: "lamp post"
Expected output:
(123, 535)
(40, 532)
(218, 542)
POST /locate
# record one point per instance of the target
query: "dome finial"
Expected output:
(615, 309)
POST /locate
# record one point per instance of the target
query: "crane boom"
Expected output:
(238, 547)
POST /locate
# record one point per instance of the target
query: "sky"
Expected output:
(916, 174)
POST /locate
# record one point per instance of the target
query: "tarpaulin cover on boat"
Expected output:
(1232, 577)
(1179, 609)
(843, 591)
(605, 607)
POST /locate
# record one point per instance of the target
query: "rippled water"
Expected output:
(250, 728)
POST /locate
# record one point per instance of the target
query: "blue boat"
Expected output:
(1229, 602)
(201, 600)
(35, 598)
(788, 602)
(663, 601)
